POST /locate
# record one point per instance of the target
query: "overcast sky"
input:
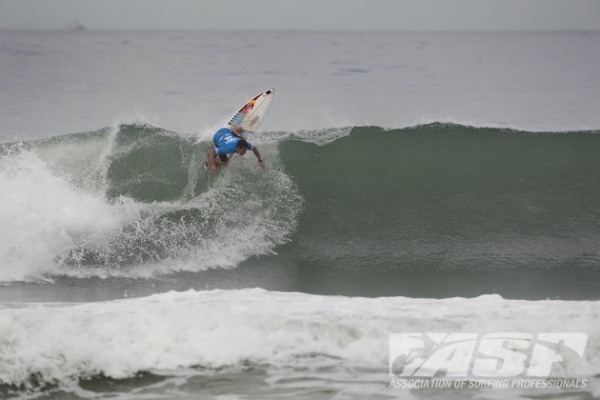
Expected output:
(303, 14)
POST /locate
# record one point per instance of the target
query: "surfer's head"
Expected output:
(241, 147)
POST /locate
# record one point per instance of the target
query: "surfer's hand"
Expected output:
(261, 164)
(212, 168)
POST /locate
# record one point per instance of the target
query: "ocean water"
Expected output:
(416, 183)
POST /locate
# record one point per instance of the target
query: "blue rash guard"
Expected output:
(225, 142)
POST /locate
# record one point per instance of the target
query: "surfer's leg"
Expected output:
(222, 159)
(219, 160)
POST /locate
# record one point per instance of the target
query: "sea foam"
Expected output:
(218, 329)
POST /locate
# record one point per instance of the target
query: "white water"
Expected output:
(216, 329)
(42, 214)
(54, 206)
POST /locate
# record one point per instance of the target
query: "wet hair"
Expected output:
(242, 144)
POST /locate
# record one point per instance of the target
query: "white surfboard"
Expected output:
(252, 113)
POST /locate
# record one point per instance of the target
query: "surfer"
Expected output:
(228, 141)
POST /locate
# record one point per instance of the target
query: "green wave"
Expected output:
(443, 210)
(425, 198)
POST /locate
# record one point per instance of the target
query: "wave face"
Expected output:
(473, 205)
(398, 204)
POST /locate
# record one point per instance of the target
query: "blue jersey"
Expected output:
(226, 141)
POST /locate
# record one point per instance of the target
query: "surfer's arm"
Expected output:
(258, 157)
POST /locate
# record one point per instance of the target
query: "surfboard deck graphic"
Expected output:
(252, 113)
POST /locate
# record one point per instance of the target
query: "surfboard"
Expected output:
(252, 113)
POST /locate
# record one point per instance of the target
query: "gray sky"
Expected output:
(303, 14)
